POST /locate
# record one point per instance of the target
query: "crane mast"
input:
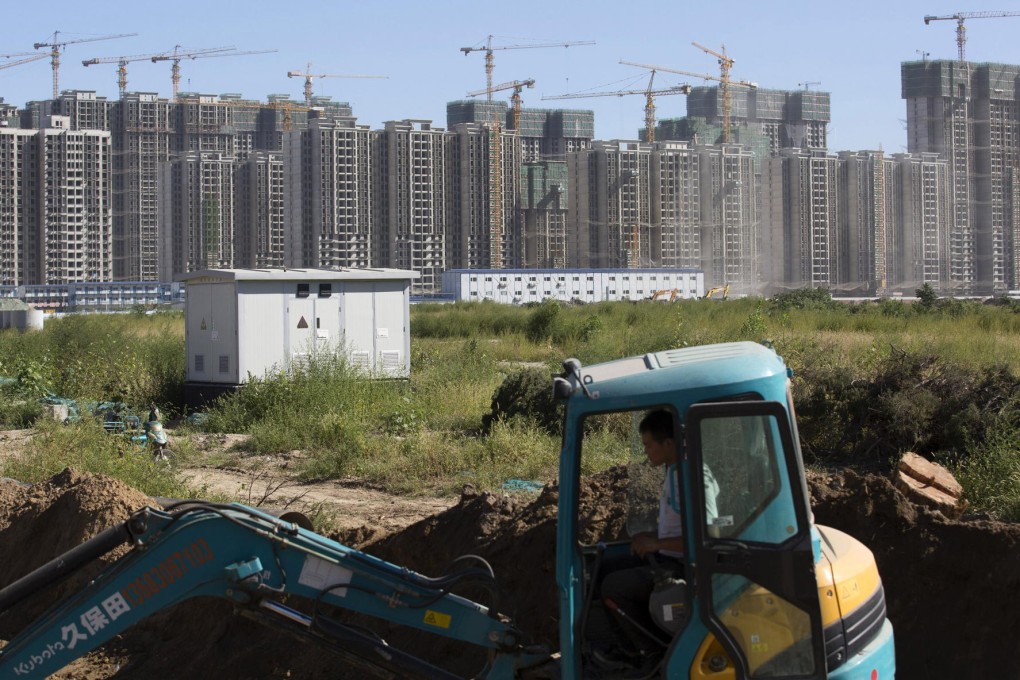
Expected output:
(961, 31)
(490, 60)
(725, 64)
(57, 45)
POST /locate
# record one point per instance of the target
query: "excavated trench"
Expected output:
(952, 586)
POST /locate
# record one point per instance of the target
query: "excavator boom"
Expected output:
(240, 554)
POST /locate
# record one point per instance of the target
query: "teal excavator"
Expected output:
(763, 593)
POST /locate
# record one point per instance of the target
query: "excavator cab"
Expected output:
(746, 599)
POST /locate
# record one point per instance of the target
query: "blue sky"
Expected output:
(852, 50)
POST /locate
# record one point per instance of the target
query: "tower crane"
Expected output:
(57, 45)
(122, 63)
(308, 75)
(495, 134)
(703, 76)
(176, 57)
(961, 32)
(649, 93)
(489, 48)
(19, 62)
(807, 84)
(515, 98)
(725, 64)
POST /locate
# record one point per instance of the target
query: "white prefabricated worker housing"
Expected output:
(519, 286)
(241, 322)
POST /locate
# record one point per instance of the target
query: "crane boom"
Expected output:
(725, 64)
(723, 80)
(515, 98)
(649, 94)
(308, 75)
(123, 61)
(57, 45)
(504, 86)
(177, 57)
(489, 48)
(961, 32)
(679, 89)
(19, 62)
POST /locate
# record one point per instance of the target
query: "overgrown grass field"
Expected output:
(938, 377)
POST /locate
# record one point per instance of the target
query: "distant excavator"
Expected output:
(673, 294)
(722, 291)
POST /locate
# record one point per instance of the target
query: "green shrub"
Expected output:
(542, 321)
(805, 299)
(909, 401)
(990, 476)
(526, 393)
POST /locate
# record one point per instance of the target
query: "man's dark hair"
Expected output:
(658, 423)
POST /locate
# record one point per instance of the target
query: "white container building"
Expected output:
(520, 286)
(241, 322)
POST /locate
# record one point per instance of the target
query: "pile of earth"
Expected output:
(951, 585)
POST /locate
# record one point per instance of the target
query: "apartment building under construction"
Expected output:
(55, 214)
(967, 112)
(634, 204)
(410, 189)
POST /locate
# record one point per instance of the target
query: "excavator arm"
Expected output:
(250, 558)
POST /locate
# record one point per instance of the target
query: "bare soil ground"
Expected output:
(952, 586)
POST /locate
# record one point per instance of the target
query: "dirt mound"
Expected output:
(952, 587)
(950, 584)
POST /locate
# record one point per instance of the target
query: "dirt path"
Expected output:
(346, 505)
(269, 482)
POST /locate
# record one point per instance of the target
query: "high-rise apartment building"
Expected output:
(19, 202)
(75, 225)
(729, 216)
(676, 205)
(55, 206)
(259, 211)
(968, 113)
(800, 240)
(142, 126)
(10, 115)
(544, 134)
(919, 204)
(667, 204)
(543, 211)
(859, 223)
(483, 173)
(763, 119)
(196, 200)
(610, 205)
(328, 193)
(863, 231)
(410, 205)
(84, 108)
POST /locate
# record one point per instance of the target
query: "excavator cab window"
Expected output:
(612, 440)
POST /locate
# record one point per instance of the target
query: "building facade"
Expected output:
(410, 206)
(968, 113)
